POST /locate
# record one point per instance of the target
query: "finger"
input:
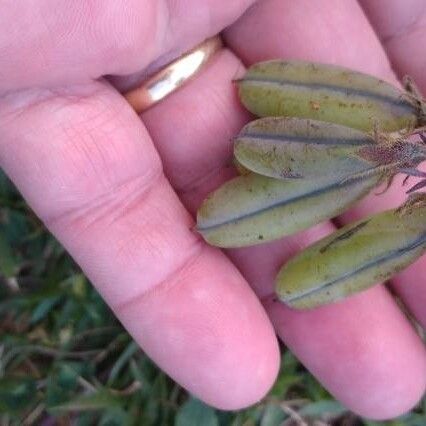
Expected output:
(338, 32)
(88, 168)
(192, 130)
(50, 42)
(401, 27)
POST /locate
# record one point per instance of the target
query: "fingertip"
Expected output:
(400, 399)
(362, 350)
(397, 393)
(209, 332)
(253, 378)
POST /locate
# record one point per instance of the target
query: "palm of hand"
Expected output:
(92, 170)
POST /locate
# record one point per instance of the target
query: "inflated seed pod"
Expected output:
(252, 209)
(328, 93)
(286, 148)
(355, 257)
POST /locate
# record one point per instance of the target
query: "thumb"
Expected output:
(51, 42)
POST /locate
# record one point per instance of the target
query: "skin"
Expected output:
(119, 190)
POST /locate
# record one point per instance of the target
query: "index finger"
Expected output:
(87, 166)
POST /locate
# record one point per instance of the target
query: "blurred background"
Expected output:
(65, 359)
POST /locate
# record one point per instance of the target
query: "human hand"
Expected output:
(91, 169)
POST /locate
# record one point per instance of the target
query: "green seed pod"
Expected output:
(355, 257)
(329, 93)
(286, 148)
(252, 209)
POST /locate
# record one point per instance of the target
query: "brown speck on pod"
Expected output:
(314, 105)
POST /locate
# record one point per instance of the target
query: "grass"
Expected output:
(65, 359)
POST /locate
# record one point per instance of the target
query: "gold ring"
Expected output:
(172, 76)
